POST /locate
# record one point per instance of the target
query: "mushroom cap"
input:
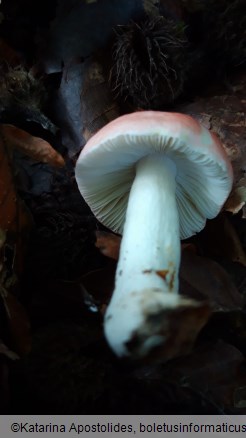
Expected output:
(106, 167)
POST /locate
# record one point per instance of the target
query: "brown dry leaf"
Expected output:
(225, 115)
(215, 370)
(15, 220)
(210, 280)
(108, 244)
(35, 147)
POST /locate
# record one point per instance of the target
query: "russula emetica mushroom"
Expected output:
(154, 177)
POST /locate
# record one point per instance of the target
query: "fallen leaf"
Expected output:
(15, 223)
(210, 280)
(215, 370)
(108, 244)
(35, 147)
(15, 219)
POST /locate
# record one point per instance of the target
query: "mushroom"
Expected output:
(154, 177)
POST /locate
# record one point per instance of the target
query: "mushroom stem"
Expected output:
(147, 272)
(150, 240)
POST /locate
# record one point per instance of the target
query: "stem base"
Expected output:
(154, 324)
